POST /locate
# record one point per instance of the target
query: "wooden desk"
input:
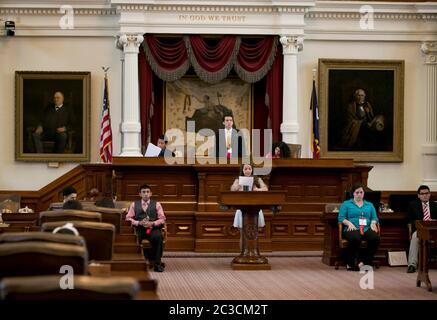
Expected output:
(426, 232)
(250, 203)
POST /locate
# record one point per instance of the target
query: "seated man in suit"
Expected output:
(229, 143)
(147, 216)
(162, 143)
(56, 120)
(420, 209)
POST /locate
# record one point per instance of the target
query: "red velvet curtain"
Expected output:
(145, 76)
(212, 57)
(251, 58)
(274, 93)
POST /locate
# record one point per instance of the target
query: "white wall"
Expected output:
(384, 176)
(331, 30)
(54, 54)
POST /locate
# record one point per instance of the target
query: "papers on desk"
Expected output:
(245, 181)
(152, 150)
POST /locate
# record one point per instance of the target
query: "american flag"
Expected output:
(315, 143)
(105, 128)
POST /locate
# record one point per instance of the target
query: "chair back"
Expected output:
(29, 258)
(109, 215)
(99, 237)
(295, 150)
(68, 215)
(85, 288)
(10, 237)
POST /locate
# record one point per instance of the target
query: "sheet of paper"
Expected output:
(152, 150)
(245, 181)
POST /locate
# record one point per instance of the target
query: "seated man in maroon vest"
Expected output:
(147, 216)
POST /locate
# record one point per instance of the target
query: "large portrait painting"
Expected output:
(52, 116)
(361, 109)
(191, 99)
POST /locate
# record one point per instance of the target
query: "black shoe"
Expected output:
(158, 268)
(411, 269)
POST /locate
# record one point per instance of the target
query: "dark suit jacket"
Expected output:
(237, 146)
(415, 212)
(52, 119)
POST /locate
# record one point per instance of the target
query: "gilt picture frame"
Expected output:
(361, 109)
(40, 135)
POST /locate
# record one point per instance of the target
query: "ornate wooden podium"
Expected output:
(250, 203)
(426, 232)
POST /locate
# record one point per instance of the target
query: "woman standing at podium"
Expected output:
(246, 170)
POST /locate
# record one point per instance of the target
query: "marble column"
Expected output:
(130, 126)
(290, 125)
(429, 146)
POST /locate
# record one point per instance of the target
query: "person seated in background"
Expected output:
(162, 143)
(69, 193)
(92, 194)
(280, 151)
(100, 201)
(147, 216)
(258, 185)
(420, 209)
(360, 222)
(73, 205)
(67, 228)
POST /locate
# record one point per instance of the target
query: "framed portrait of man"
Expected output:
(52, 116)
(361, 105)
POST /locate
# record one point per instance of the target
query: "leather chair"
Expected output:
(85, 288)
(295, 150)
(68, 215)
(99, 237)
(30, 258)
(11, 237)
(109, 215)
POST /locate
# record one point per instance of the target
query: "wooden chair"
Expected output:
(68, 215)
(99, 237)
(41, 258)
(85, 288)
(343, 244)
(145, 244)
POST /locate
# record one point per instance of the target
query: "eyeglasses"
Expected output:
(423, 193)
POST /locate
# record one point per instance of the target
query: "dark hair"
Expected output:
(285, 150)
(356, 186)
(145, 186)
(227, 115)
(163, 137)
(68, 190)
(72, 204)
(93, 192)
(423, 187)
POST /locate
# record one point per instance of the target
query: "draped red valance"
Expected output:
(212, 61)
(252, 58)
